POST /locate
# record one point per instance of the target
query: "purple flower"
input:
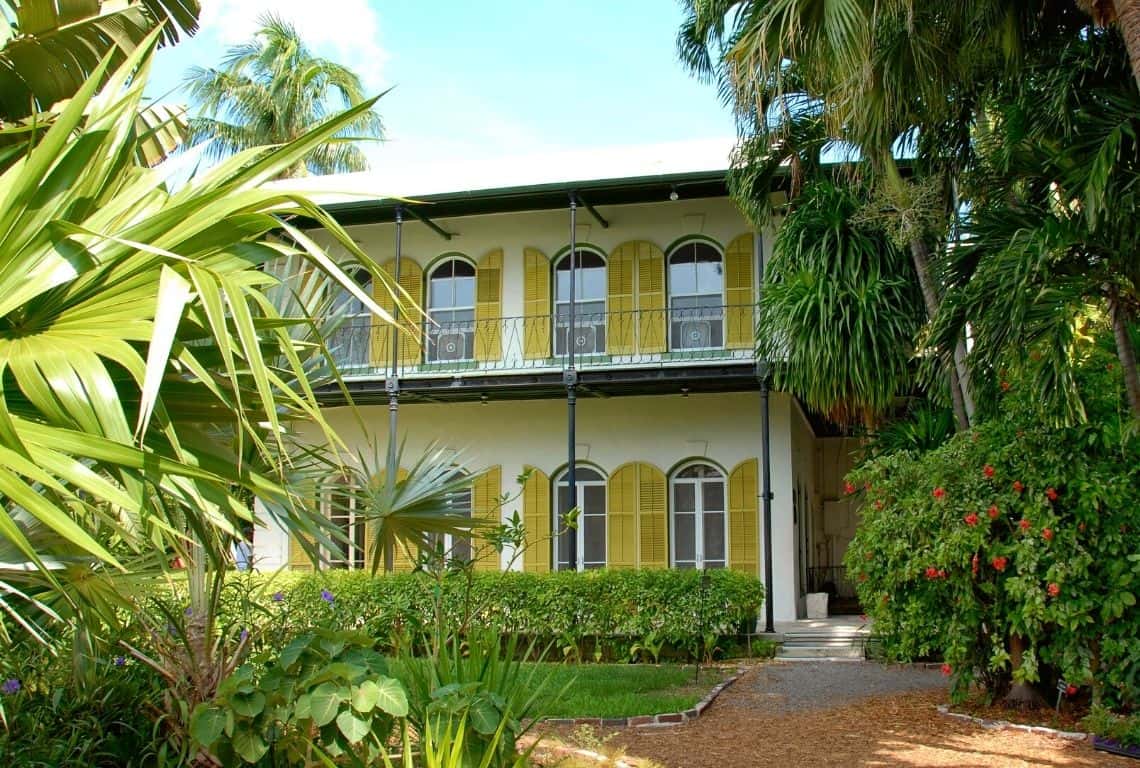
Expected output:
(119, 661)
(10, 687)
(278, 597)
(244, 635)
(189, 611)
(327, 596)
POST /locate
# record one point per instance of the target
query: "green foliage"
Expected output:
(840, 308)
(574, 608)
(1016, 529)
(325, 693)
(763, 648)
(623, 690)
(480, 686)
(1122, 728)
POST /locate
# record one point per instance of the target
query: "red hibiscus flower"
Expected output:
(988, 471)
(947, 670)
(1024, 524)
(999, 563)
(1047, 534)
(848, 488)
(1054, 589)
(1017, 486)
(993, 512)
(1051, 493)
(862, 577)
(1071, 690)
(971, 519)
(938, 493)
(878, 504)
(931, 572)
(1005, 386)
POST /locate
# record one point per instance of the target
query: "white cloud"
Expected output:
(347, 31)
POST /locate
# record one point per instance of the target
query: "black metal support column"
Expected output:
(766, 492)
(392, 382)
(570, 377)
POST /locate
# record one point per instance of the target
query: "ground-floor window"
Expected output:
(699, 521)
(339, 505)
(454, 548)
(591, 533)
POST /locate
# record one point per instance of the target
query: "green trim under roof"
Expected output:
(536, 197)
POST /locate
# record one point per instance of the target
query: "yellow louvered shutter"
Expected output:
(652, 522)
(650, 298)
(621, 518)
(411, 319)
(742, 517)
(536, 305)
(740, 332)
(403, 560)
(620, 326)
(298, 558)
(536, 519)
(489, 307)
(485, 492)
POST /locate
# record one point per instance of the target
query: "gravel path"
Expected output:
(793, 687)
(839, 714)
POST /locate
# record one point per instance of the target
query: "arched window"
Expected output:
(341, 506)
(350, 344)
(451, 309)
(699, 521)
(589, 303)
(591, 533)
(696, 297)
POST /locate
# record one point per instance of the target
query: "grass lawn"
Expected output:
(623, 690)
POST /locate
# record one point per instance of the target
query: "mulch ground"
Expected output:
(752, 724)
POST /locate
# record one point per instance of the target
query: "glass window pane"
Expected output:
(563, 505)
(465, 292)
(584, 473)
(684, 497)
(710, 277)
(564, 549)
(684, 538)
(594, 536)
(461, 268)
(682, 279)
(461, 549)
(713, 530)
(562, 284)
(440, 293)
(593, 500)
(591, 284)
(712, 496)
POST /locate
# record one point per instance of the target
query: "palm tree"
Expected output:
(272, 90)
(51, 48)
(840, 309)
(135, 341)
(1126, 15)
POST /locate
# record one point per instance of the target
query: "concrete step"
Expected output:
(819, 652)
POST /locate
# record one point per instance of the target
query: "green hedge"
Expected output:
(670, 604)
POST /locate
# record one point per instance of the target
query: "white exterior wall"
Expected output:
(662, 430)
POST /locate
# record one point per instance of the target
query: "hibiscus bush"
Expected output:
(1013, 550)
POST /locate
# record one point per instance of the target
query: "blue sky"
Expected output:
(477, 80)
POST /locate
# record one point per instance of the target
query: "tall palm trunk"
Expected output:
(1125, 351)
(920, 254)
(1128, 17)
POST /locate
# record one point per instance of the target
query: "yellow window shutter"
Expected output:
(742, 518)
(740, 332)
(653, 524)
(298, 558)
(621, 518)
(403, 558)
(651, 298)
(485, 492)
(620, 325)
(411, 317)
(489, 306)
(536, 519)
(536, 305)
(381, 332)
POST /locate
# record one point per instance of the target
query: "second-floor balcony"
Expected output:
(452, 346)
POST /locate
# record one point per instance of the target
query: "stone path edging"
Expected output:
(1000, 724)
(649, 721)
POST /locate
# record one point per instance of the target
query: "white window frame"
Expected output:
(580, 533)
(600, 329)
(673, 296)
(354, 527)
(433, 328)
(698, 514)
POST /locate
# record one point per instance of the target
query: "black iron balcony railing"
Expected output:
(713, 334)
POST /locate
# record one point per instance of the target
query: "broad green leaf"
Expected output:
(365, 696)
(248, 704)
(207, 724)
(324, 701)
(249, 745)
(352, 726)
(391, 697)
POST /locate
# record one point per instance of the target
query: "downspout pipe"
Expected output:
(570, 378)
(392, 382)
